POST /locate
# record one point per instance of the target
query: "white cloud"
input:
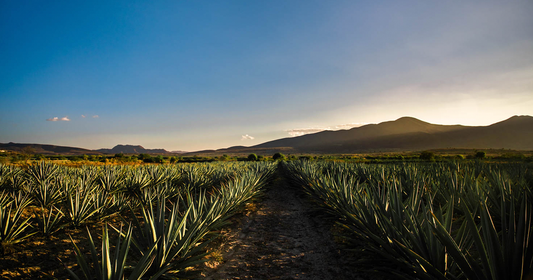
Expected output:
(304, 131)
(55, 119)
(247, 137)
(347, 126)
(95, 117)
(83, 116)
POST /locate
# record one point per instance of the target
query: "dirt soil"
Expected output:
(283, 239)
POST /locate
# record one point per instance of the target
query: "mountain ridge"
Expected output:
(132, 149)
(408, 133)
(403, 134)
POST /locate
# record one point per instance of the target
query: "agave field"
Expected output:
(155, 220)
(428, 221)
(448, 220)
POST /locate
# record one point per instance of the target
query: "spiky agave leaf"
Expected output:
(110, 266)
(12, 228)
(48, 221)
(80, 207)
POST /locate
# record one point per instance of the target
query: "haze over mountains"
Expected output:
(404, 134)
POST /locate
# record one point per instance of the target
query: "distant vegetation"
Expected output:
(432, 155)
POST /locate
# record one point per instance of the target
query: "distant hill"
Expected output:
(63, 150)
(403, 134)
(407, 134)
(131, 149)
(46, 149)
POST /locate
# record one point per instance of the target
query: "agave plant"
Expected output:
(11, 177)
(42, 172)
(136, 180)
(430, 222)
(104, 204)
(47, 193)
(12, 228)
(111, 178)
(503, 248)
(110, 266)
(174, 238)
(49, 220)
(4, 198)
(120, 202)
(80, 207)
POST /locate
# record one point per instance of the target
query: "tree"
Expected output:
(159, 159)
(224, 158)
(279, 156)
(427, 155)
(27, 152)
(480, 155)
(144, 156)
(40, 157)
(252, 157)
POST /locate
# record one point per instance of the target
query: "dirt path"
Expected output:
(282, 240)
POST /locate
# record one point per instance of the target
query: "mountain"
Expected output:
(46, 149)
(403, 134)
(131, 149)
(409, 134)
(64, 150)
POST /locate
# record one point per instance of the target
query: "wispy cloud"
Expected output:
(247, 137)
(304, 131)
(96, 117)
(55, 119)
(347, 126)
(83, 116)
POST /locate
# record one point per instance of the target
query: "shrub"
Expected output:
(279, 156)
(480, 155)
(427, 155)
(252, 157)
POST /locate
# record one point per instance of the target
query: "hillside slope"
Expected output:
(46, 149)
(412, 134)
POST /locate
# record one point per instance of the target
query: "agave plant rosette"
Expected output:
(110, 266)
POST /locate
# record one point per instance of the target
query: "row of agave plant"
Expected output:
(169, 212)
(429, 221)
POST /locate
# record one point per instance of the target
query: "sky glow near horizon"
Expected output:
(195, 75)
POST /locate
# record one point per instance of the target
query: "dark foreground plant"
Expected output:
(110, 265)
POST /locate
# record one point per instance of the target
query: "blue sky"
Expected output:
(193, 75)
